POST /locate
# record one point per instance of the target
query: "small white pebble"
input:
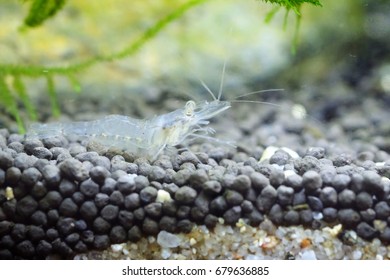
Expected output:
(168, 240)
(288, 173)
(243, 229)
(308, 255)
(166, 253)
(163, 196)
(193, 241)
(9, 193)
(117, 247)
(356, 255)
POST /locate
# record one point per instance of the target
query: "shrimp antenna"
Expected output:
(260, 91)
(222, 81)
(208, 90)
(257, 102)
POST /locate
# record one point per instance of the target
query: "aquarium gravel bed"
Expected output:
(286, 192)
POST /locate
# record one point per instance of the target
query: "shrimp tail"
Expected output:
(43, 131)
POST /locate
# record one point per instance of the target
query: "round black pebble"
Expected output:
(52, 234)
(212, 187)
(372, 182)
(341, 182)
(306, 216)
(382, 210)
(87, 236)
(26, 206)
(125, 184)
(150, 227)
(346, 198)
(134, 234)
(88, 210)
(266, 199)
(291, 217)
(349, 217)
(7, 242)
(108, 186)
(78, 198)
(117, 198)
(311, 181)
(118, 235)
(276, 214)
(66, 226)
(39, 190)
(315, 203)
(25, 249)
(328, 197)
(232, 215)
(35, 233)
(61, 248)
(285, 195)
(168, 223)
(19, 232)
(210, 221)
(89, 188)
(148, 195)
(330, 214)
(68, 208)
(81, 247)
(294, 181)
(126, 219)
(72, 238)
(51, 200)
(43, 249)
(247, 206)
(217, 206)
(154, 209)
(185, 195)
(364, 201)
(101, 242)
(366, 231)
(385, 235)
(183, 212)
(132, 201)
(51, 174)
(258, 181)
(81, 225)
(184, 226)
(109, 212)
(241, 184)
(99, 174)
(368, 215)
(67, 188)
(102, 199)
(30, 176)
(139, 214)
(100, 225)
(254, 217)
(233, 198)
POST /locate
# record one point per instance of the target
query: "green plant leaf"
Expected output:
(10, 103)
(41, 10)
(20, 89)
(55, 108)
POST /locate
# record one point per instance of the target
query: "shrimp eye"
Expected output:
(190, 108)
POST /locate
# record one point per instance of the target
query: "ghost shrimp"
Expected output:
(142, 137)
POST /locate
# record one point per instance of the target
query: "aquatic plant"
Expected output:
(13, 90)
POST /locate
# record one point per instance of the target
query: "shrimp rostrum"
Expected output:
(142, 137)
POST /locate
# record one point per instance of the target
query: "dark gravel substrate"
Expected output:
(57, 198)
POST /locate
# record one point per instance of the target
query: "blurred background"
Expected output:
(342, 56)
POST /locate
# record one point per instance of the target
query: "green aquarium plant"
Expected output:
(13, 92)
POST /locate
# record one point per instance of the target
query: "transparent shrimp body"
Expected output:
(142, 137)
